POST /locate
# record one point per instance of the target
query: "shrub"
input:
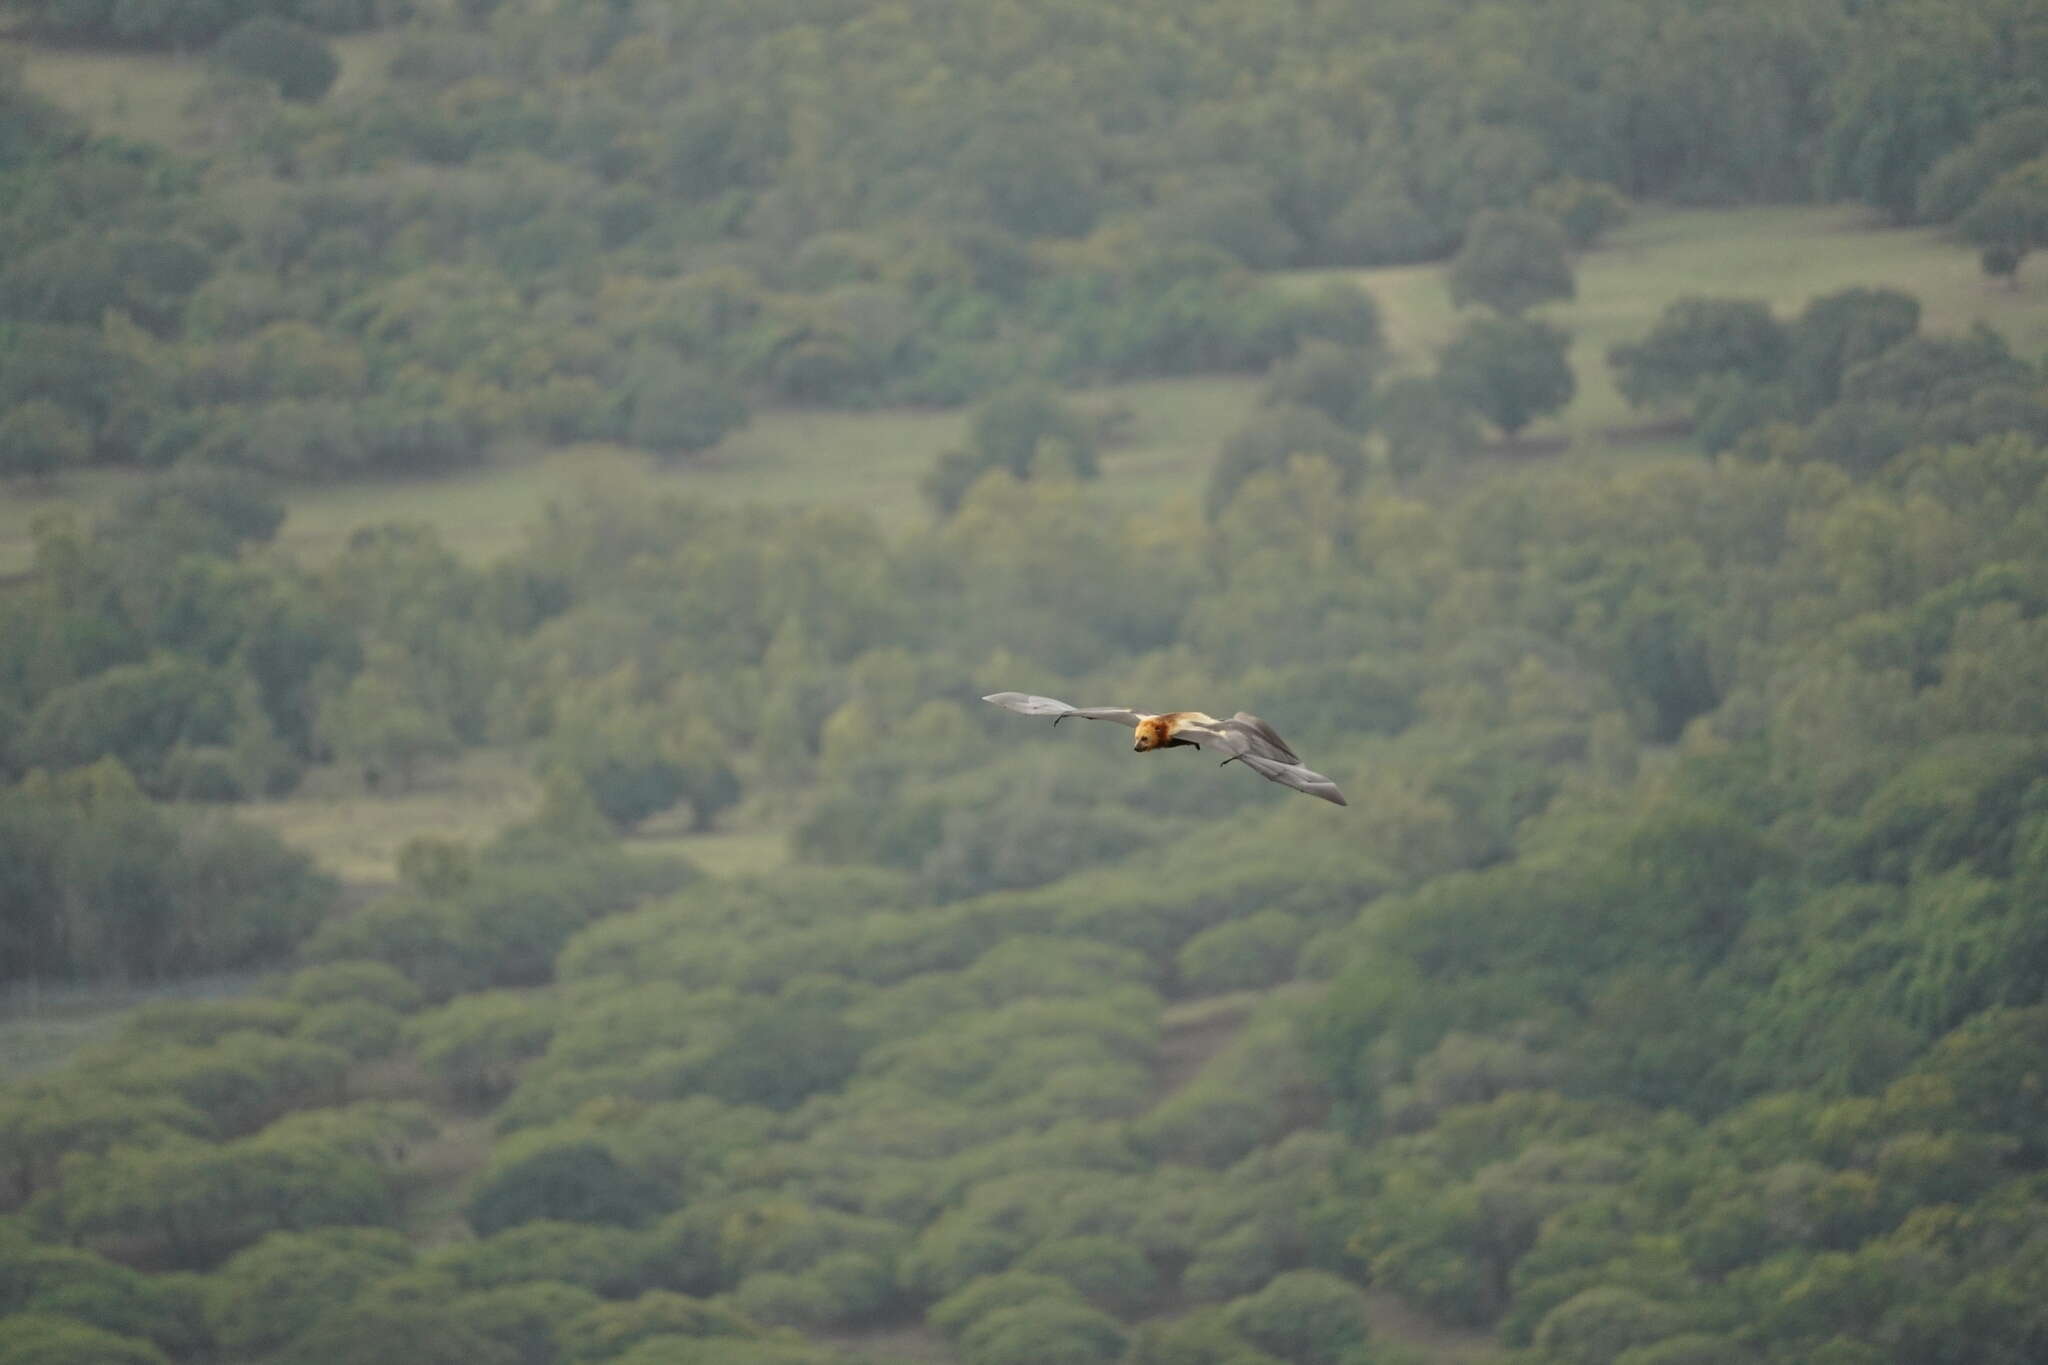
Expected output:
(49, 1339)
(1598, 1324)
(1308, 1317)
(1332, 379)
(1512, 260)
(1696, 338)
(271, 1292)
(1111, 1274)
(476, 1044)
(290, 56)
(1585, 209)
(1043, 1331)
(1509, 370)
(968, 1305)
(361, 1028)
(1272, 438)
(578, 1182)
(679, 408)
(38, 438)
(1256, 951)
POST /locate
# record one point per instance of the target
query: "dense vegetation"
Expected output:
(1674, 990)
(1683, 944)
(629, 222)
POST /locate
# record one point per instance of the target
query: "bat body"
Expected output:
(1244, 737)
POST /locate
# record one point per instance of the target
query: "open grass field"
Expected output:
(356, 834)
(873, 460)
(148, 96)
(1783, 255)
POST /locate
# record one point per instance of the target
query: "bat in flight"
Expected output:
(1244, 737)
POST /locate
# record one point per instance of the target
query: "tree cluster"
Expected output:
(1851, 379)
(535, 226)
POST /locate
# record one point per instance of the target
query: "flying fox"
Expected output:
(1244, 737)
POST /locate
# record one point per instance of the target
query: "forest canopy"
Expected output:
(1673, 991)
(562, 222)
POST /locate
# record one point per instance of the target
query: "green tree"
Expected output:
(1308, 1317)
(529, 1320)
(194, 1204)
(289, 55)
(577, 1182)
(475, 1044)
(1046, 1329)
(340, 982)
(268, 1294)
(366, 1333)
(1422, 424)
(51, 1339)
(136, 715)
(1587, 210)
(1837, 332)
(1512, 260)
(2010, 219)
(1959, 179)
(1509, 370)
(1251, 953)
(376, 724)
(43, 1279)
(1909, 96)
(610, 1329)
(1111, 1274)
(1601, 1323)
(964, 1307)
(38, 438)
(1334, 380)
(1269, 441)
(1923, 372)
(1697, 338)
(1024, 429)
(679, 408)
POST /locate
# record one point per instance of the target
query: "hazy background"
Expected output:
(509, 508)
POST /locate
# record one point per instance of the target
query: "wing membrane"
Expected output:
(1025, 704)
(1295, 776)
(1244, 738)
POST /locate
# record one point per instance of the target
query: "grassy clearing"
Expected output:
(722, 853)
(873, 460)
(139, 95)
(356, 834)
(1785, 256)
(147, 96)
(866, 460)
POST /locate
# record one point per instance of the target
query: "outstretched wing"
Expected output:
(1260, 738)
(1295, 776)
(1257, 745)
(1243, 734)
(1024, 704)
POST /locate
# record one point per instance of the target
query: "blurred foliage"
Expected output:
(1671, 991)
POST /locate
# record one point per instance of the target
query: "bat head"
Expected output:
(1152, 734)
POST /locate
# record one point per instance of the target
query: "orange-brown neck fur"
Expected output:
(1157, 732)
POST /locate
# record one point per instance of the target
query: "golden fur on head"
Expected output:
(1153, 733)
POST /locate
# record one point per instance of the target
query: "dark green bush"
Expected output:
(290, 56)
